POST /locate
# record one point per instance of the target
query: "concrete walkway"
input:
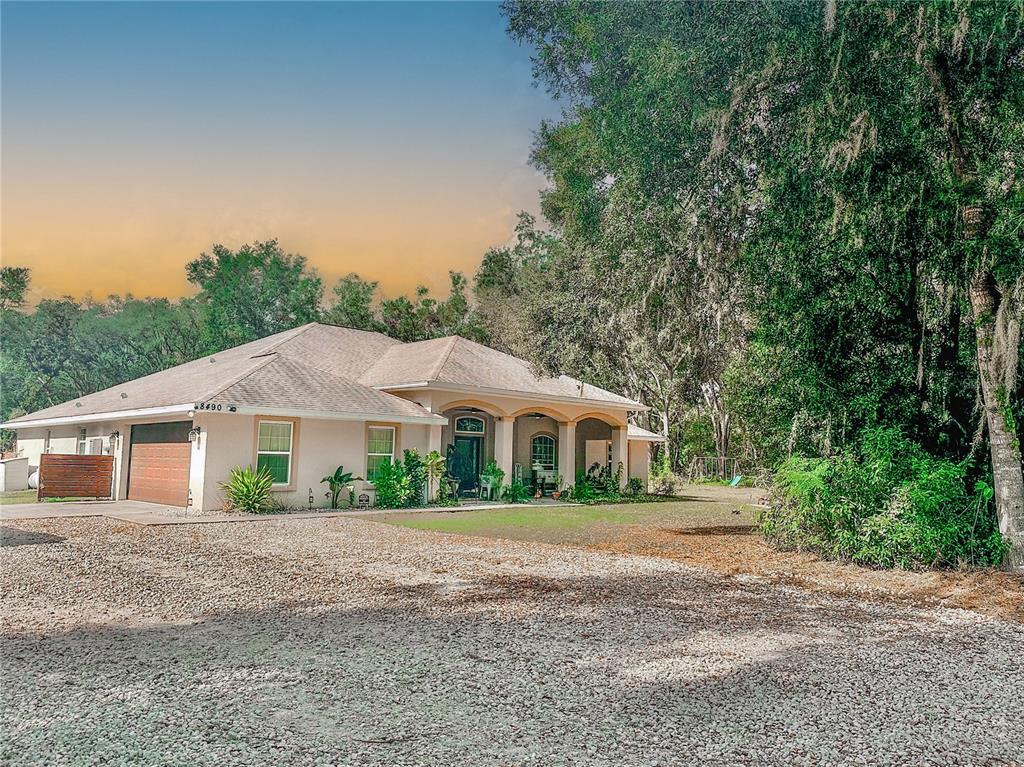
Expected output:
(141, 513)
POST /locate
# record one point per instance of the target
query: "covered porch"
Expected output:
(539, 446)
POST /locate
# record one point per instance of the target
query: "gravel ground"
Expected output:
(345, 641)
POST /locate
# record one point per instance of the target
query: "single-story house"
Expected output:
(304, 401)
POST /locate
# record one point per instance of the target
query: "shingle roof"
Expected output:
(458, 361)
(323, 361)
(324, 368)
(640, 434)
(282, 383)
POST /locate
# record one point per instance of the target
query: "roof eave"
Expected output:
(630, 406)
(112, 415)
(329, 415)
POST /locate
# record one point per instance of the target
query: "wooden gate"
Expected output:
(75, 476)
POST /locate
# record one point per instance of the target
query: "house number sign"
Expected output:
(214, 406)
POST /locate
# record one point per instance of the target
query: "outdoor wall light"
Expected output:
(193, 434)
(114, 435)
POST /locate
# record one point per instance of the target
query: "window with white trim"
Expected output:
(380, 447)
(542, 452)
(46, 442)
(274, 450)
(81, 441)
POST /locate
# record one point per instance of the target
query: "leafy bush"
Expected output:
(517, 492)
(663, 480)
(446, 496)
(394, 488)
(248, 490)
(634, 486)
(885, 502)
(416, 471)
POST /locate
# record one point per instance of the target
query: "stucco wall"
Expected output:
(320, 446)
(640, 461)
(527, 427)
(589, 429)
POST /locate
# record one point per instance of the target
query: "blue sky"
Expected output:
(390, 139)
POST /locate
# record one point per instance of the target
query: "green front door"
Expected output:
(465, 462)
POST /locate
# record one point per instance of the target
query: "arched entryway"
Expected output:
(468, 442)
(535, 453)
(593, 445)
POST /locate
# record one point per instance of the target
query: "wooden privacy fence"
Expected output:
(75, 476)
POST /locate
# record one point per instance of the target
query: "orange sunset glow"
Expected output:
(365, 141)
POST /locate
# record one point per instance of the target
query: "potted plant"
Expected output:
(557, 492)
(491, 478)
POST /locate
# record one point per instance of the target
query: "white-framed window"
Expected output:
(81, 441)
(274, 450)
(380, 447)
(542, 452)
(469, 424)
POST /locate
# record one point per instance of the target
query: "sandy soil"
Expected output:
(348, 642)
(713, 527)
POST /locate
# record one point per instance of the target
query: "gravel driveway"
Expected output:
(345, 641)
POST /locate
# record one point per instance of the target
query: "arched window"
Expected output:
(470, 425)
(542, 452)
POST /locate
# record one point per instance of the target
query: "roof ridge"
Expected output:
(444, 360)
(301, 328)
(265, 359)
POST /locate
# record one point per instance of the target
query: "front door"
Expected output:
(465, 462)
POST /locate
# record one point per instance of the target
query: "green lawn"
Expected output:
(17, 496)
(713, 509)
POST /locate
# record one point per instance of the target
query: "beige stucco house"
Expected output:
(306, 400)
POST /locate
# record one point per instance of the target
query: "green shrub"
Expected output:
(634, 486)
(445, 495)
(248, 490)
(394, 488)
(416, 471)
(517, 492)
(884, 502)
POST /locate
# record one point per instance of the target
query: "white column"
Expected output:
(434, 440)
(503, 445)
(197, 479)
(567, 452)
(620, 452)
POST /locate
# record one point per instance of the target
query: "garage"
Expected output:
(159, 462)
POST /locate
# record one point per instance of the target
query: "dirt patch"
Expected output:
(712, 530)
(739, 551)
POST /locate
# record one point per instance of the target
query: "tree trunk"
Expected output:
(1007, 473)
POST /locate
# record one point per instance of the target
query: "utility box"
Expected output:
(13, 474)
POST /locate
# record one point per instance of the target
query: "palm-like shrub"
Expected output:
(337, 482)
(248, 489)
(517, 492)
(434, 466)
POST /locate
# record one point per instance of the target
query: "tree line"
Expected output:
(781, 225)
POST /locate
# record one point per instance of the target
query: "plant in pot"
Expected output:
(557, 492)
(336, 483)
(492, 476)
